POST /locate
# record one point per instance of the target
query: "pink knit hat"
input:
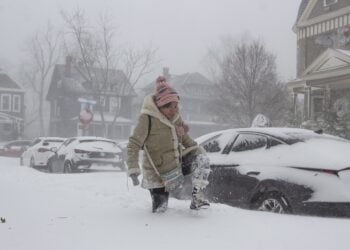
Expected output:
(164, 92)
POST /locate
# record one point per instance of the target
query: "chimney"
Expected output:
(166, 73)
(68, 68)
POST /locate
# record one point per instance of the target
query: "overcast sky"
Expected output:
(181, 29)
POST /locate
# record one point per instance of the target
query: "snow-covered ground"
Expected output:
(99, 211)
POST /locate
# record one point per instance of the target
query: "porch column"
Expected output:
(295, 97)
(327, 98)
(307, 103)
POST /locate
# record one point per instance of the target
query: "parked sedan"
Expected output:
(281, 170)
(13, 148)
(38, 152)
(82, 152)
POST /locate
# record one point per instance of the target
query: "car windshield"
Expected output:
(54, 140)
(36, 141)
(99, 141)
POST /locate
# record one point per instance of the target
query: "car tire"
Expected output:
(273, 202)
(49, 167)
(68, 167)
(120, 165)
(32, 162)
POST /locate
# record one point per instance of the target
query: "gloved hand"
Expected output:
(135, 180)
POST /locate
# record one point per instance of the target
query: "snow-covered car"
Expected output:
(39, 151)
(82, 152)
(281, 170)
(123, 144)
(13, 148)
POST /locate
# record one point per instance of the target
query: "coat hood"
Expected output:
(149, 107)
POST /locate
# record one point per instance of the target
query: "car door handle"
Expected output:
(253, 173)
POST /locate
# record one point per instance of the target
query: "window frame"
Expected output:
(250, 134)
(2, 102)
(327, 3)
(18, 99)
(230, 135)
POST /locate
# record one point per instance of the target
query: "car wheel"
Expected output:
(120, 165)
(68, 167)
(49, 167)
(272, 202)
(32, 162)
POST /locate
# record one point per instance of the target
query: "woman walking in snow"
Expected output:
(162, 134)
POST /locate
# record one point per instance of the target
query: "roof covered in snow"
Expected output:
(191, 85)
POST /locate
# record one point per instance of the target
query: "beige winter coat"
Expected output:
(162, 143)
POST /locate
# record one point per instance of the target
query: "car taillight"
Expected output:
(320, 170)
(80, 151)
(42, 150)
(330, 171)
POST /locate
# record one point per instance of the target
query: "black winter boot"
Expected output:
(198, 200)
(159, 200)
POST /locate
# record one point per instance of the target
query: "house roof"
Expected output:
(7, 82)
(306, 18)
(77, 82)
(191, 85)
(301, 10)
(332, 67)
(332, 62)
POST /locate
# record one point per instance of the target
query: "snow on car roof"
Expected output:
(52, 138)
(279, 132)
(95, 138)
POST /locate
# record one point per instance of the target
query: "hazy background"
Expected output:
(182, 29)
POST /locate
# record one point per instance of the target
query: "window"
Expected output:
(67, 142)
(317, 104)
(104, 103)
(246, 142)
(6, 102)
(329, 2)
(16, 103)
(274, 142)
(114, 104)
(212, 146)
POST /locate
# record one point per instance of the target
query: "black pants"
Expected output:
(159, 199)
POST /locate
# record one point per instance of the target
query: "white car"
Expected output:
(39, 151)
(81, 152)
(283, 170)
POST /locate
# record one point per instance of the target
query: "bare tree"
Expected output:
(100, 56)
(43, 52)
(247, 82)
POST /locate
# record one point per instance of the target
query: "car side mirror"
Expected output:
(54, 149)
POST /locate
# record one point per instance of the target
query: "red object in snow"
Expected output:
(86, 116)
(346, 31)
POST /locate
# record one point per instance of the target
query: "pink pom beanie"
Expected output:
(164, 93)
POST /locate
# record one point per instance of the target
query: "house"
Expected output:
(72, 92)
(323, 65)
(11, 108)
(196, 98)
